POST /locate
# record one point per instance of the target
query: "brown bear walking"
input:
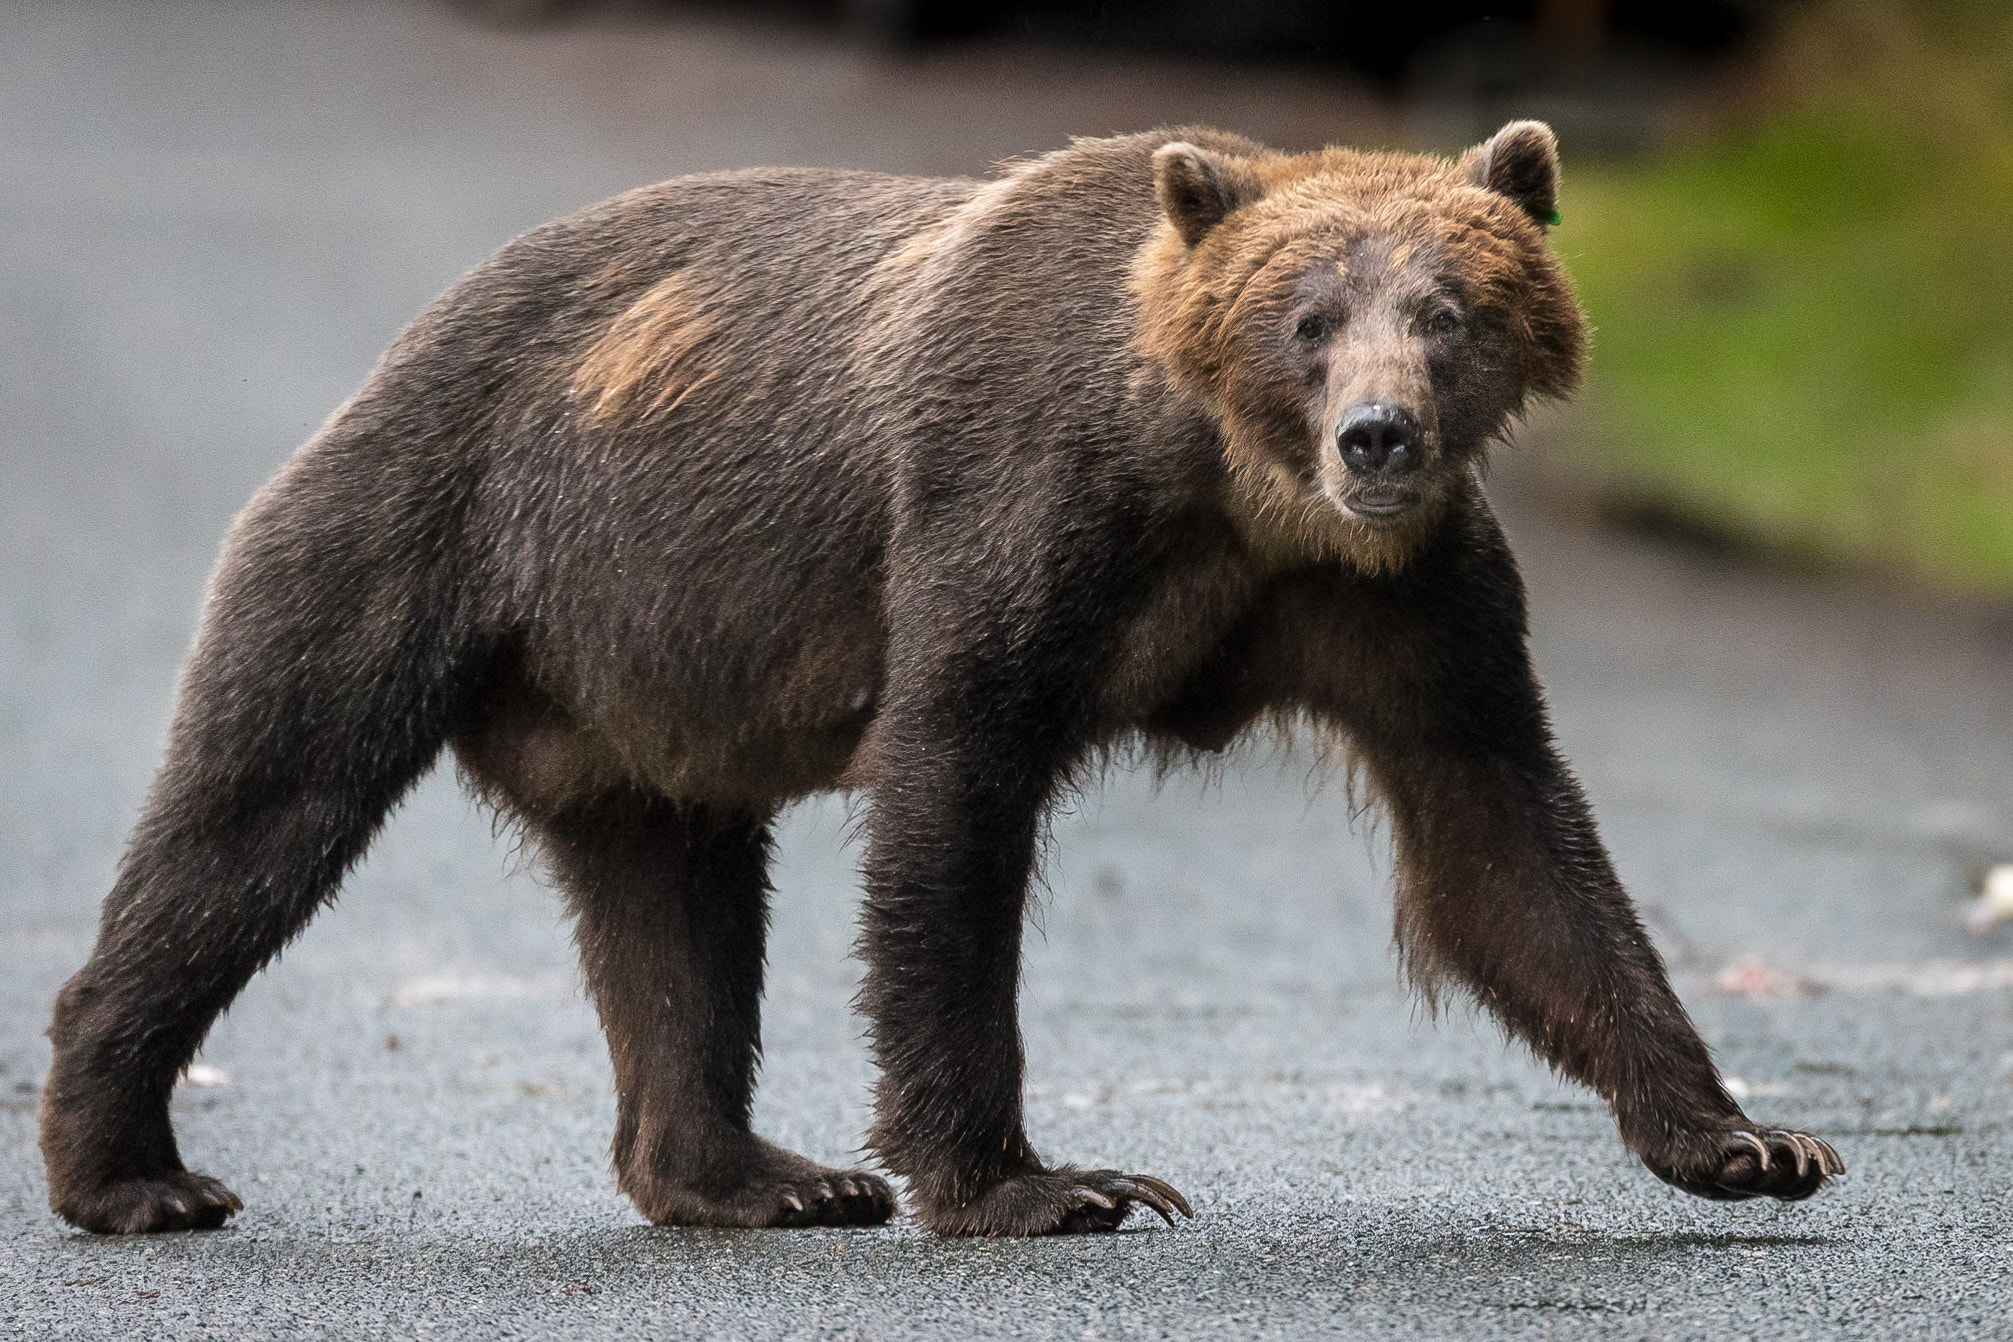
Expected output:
(747, 486)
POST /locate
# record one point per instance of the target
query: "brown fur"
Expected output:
(747, 486)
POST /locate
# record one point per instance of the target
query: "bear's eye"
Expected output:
(1312, 327)
(1443, 321)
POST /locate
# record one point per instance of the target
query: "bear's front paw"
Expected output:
(1063, 1201)
(177, 1200)
(1752, 1163)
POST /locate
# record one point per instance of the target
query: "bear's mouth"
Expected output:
(1381, 503)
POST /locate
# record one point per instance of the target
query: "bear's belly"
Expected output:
(749, 727)
(532, 758)
(756, 725)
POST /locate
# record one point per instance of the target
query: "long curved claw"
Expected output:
(1145, 1197)
(1822, 1156)
(1760, 1146)
(1166, 1190)
(1086, 1194)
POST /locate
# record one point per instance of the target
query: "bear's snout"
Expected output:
(1381, 447)
(1379, 438)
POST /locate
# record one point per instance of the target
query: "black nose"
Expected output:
(1378, 436)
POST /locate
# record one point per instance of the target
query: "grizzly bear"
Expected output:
(751, 485)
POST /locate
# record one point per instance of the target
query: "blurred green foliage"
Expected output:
(1804, 317)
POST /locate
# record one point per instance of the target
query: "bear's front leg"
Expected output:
(976, 733)
(1504, 885)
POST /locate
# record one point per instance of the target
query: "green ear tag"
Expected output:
(1554, 218)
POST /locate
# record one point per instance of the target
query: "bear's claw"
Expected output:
(1063, 1201)
(1756, 1162)
(1157, 1194)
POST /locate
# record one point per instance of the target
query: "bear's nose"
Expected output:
(1378, 436)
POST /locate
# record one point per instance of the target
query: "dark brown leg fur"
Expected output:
(972, 754)
(301, 724)
(672, 909)
(1504, 886)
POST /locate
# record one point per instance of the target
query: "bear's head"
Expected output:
(1361, 325)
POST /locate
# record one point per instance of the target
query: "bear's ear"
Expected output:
(1520, 161)
(1198, 189)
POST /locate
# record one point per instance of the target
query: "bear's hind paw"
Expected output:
(178, 1200)
(782, 1189)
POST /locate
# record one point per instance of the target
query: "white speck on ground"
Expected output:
(1994, 904)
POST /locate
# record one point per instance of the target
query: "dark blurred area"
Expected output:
(1600, 70)
(1381, 40)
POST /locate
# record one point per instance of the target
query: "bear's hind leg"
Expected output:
(671, 903)
(321, 689)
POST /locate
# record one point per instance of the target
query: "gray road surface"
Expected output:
(213, 216)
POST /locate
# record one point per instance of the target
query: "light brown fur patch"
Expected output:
(650, 357)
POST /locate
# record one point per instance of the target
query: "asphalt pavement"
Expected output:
(213, 217)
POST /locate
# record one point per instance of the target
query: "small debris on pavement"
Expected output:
(1751, 978)
(206, 1074)
(1994, 904)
